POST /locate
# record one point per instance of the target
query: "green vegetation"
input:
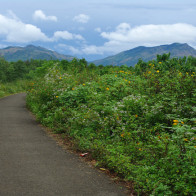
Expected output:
(137, 121)
(15, 76)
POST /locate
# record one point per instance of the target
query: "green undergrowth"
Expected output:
(138, 122)
(13, 87)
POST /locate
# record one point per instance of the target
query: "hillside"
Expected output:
(31, 52)
(130, 57)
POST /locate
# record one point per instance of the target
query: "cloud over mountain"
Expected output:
(125, 37)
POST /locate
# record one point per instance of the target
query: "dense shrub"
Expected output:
(139, 122)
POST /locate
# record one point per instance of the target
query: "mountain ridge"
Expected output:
(131, 57)
(15, 53)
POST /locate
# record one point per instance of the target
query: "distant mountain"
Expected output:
(31, 52)
(131, 57)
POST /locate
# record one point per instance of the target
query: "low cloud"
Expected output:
(14, 30)
(67, 36)
(125, 37)
(81, 18)
(40, 15)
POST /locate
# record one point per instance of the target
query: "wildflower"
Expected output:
(122, 135)
(185, 139)
(57, 96)
(136, 115)
(129, 82)
(60, 78)
(107, 89)
(160, 62)
(117, 118)
(182, 122)
(175, 121)
(115, 75)
(149, 72)
(84, 84)
(140, 149)
(158, 71)
(73, 89)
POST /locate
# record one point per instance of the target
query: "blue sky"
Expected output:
(94, 29)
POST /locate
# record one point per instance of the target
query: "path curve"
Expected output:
(32, 164)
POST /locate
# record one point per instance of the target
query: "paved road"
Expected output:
(32, 164)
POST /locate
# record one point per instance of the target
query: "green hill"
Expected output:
(131, 57)
(31, 52)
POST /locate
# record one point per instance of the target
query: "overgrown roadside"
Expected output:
(138, 122)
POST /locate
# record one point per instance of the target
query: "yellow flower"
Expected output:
(115, 75)
(73, 89)
(158, 71)
(107, 89)
(122, 135)
(160, 62)
(129, 82)
(182, 122)
(175, 121)
(136, 115)
(60, 78)
(185, 139)
(84, 84)
(57, 96)
(140, 149)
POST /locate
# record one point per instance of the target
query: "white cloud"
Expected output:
(39, 15)
(152, 34)
(16, 31)
(67, 36)
(98, 29)
(81, 18)
(125, 37)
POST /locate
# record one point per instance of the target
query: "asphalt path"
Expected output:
(32, 164)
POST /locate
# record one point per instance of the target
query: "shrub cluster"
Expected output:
(137, 121)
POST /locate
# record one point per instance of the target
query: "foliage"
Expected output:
(139, 122)
(13, 87)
